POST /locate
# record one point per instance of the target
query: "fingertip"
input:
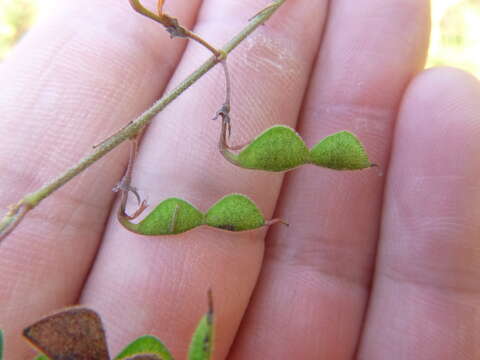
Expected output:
(426, 274)
(441, 89)
(432, 183)
(440, 110)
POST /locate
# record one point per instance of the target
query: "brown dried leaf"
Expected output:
(76, 333)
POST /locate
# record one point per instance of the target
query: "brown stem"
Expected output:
(225, 131)
(173, 27)
(124, 187)
(160, 6)
(219, 54)
(224, 113)
(210, 306)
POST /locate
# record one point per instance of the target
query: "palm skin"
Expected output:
(372, 267)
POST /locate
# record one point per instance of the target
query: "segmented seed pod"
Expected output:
(233, 212)
(280, 148)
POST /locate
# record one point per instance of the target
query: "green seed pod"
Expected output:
(280, 148)
(201, 345)
(277, 149)
(145, 346)
(340, 151)
(235, 213)
(174, 216)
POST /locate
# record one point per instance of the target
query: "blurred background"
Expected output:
(455, 29)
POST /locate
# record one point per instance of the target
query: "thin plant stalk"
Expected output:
(173, 27)
(18, 211)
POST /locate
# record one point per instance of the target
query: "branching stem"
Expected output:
(30, 201)
(173, 27)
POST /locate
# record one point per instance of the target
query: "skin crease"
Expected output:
(371, 267)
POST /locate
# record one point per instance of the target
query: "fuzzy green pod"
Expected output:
(233, 212)
(171, 216)
(201, 345)
(340, 151)
(280, 148)
(277, 149)
(147, 346)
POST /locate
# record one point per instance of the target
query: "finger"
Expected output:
(164, 281)
(314, 285)
(81, 74)
(426, 300)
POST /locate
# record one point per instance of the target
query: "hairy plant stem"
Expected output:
(17, 212)
(173, 27)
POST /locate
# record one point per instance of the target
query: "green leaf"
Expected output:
(42, 357)
(145, 345)
(172, 216)
(279, 148)
(235, 213)
(201, 346)
(1, 344)
(340, 151)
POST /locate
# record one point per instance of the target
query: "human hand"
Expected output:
(383, 267)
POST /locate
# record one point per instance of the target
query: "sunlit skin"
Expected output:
(371, 267)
